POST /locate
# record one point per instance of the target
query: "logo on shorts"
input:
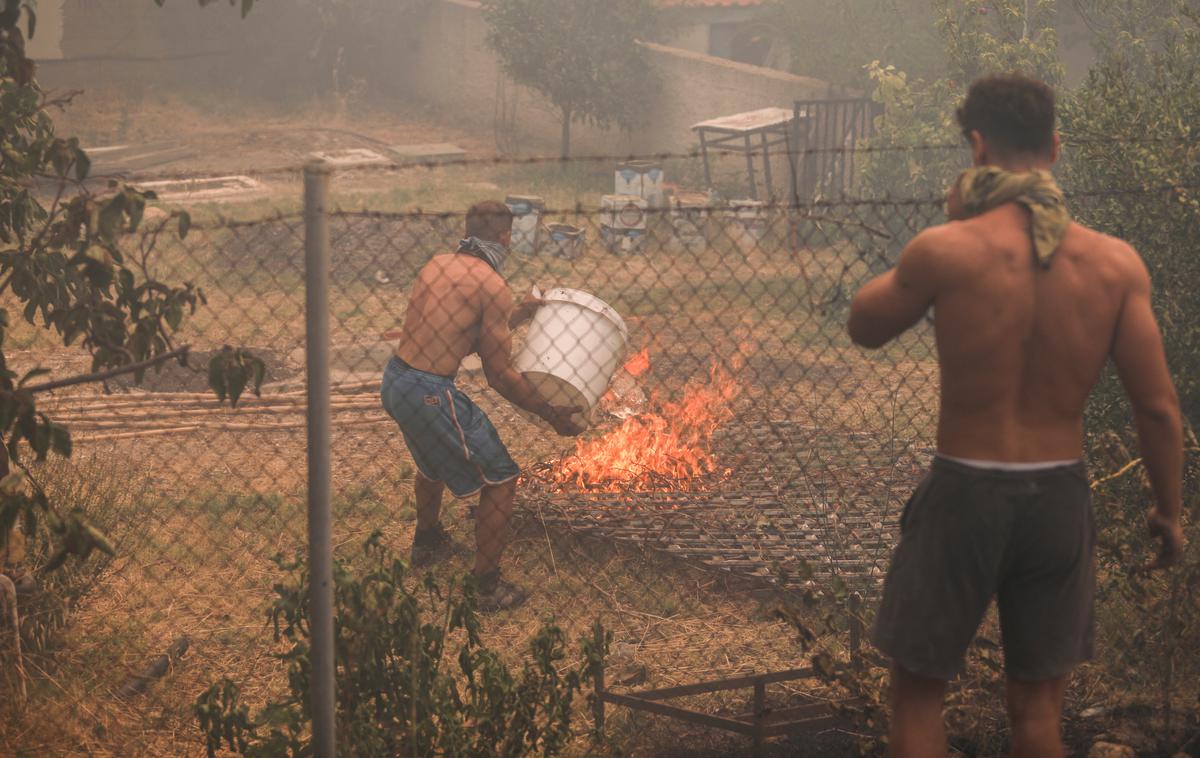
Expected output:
(432, 400)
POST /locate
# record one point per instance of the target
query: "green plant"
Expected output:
(414, 676)
(230, 370)
(1151, 623)
(582, 56)
(978, 38)
(62, 259)
(111, 497)
(1133, 122)
(821, 617)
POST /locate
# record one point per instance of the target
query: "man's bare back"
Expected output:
(445, 312)
(461, 305)
(1020, 347)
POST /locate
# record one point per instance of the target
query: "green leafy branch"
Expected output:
(231, 370)
(413, 674)
(62, 261)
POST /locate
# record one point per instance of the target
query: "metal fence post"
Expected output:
(320, 541)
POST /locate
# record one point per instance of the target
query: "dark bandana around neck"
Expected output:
(492, 252)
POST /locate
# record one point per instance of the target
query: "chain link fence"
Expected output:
(744, 454)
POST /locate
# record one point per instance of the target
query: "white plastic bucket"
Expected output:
(566, 241)
(575, 344)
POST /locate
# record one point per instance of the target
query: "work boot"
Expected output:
(496, 594)
(431, 546)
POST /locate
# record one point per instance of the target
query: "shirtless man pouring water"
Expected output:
(461, 305)
(1029, 308)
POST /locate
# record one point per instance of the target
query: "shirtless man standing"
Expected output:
(461, 305)
(1029, 308)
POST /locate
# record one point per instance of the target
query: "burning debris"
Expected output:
(656, 450)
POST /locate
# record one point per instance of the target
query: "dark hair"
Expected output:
(1014, 113)
(488, 220)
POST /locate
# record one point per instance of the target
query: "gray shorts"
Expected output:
(967, 535)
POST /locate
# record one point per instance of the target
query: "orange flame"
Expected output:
(664, 450)
(638, 364)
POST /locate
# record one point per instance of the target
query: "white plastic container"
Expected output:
(526, 228)
(575, 344)
(642, 179)
(623, 223)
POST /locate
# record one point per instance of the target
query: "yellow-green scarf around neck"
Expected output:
(986, 187)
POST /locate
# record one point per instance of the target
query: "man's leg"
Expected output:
(429, 502)
(1035, 717)
(491, 525)
(917, 727)
(430, 543)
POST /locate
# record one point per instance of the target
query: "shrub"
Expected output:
(414, 676)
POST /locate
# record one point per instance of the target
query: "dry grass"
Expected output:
(201, 567)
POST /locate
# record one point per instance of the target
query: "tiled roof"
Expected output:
(709, 3)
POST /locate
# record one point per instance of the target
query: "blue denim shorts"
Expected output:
(450, 438)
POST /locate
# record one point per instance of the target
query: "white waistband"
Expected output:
(1008, 465)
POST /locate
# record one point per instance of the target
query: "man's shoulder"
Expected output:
(1105, 243)
(943, 244)
(1104, 249)
(468, 267)
(492, 287)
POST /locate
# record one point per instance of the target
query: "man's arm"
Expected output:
(495, 352)
(1142, 365)
(526, 309)
(889, 304)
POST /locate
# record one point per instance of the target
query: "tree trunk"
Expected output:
(566, 135)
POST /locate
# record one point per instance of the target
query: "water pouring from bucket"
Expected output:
(575, 344)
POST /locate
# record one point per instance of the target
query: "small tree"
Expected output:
(62, 265)
(978, 37)
(581, 55)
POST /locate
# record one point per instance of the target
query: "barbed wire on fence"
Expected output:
(788, 152)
